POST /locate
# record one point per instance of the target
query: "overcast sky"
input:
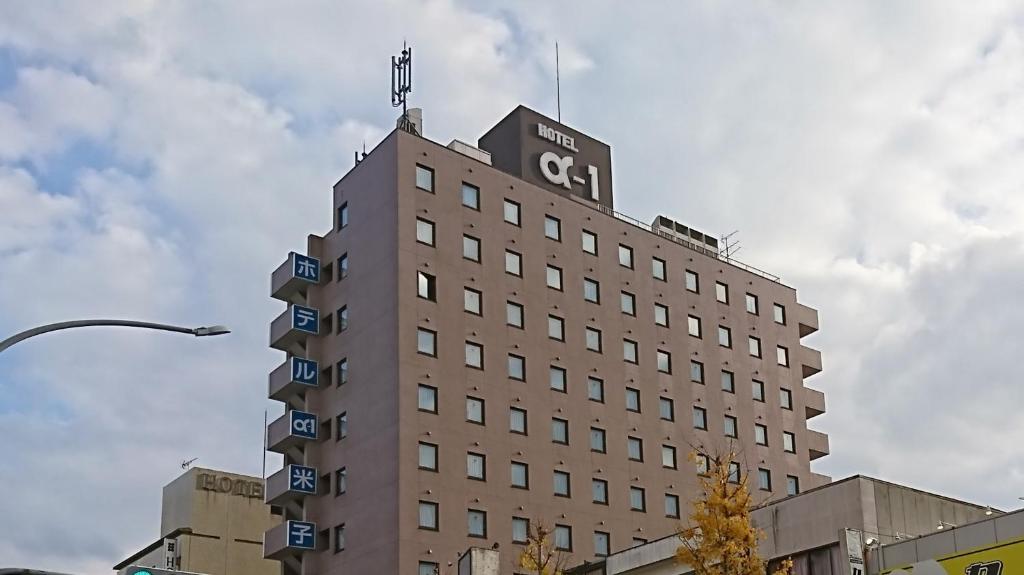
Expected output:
(159, 159)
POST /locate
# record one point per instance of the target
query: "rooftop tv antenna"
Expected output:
(401, 85)
(558, 86)
(358, 157)
(730, 246)
(188, 463)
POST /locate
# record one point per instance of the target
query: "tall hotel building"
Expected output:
(482, 341)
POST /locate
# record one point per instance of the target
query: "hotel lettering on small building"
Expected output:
(481, 341)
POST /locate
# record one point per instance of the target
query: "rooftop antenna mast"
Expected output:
(558, 85)
(730, 246)
(401, 85)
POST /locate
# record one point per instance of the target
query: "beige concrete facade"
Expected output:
(384, 482)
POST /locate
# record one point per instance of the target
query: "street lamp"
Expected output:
(942, 525)
(196, 331)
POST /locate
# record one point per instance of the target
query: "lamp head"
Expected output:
(211, 330)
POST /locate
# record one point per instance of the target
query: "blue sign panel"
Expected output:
(302, 479)
(306, 319)
(303, 424)
(305, 267)
(301, 534)
(305, 371)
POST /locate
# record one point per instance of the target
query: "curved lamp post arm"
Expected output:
(196, 331)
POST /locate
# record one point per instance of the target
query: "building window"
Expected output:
(703, 464)
(597, 440)
(760, 434)
(342, 371)
(593, 338)
(471, 248)
(342, 422)
(757, 390)
(557, 378)
(553, 228)
(664, 361)
(474, 355)
(559, 431)
(602, 544)
(788, 442)
(625, 256)
(520, 530)
(693, 325)
(754, 345)
(724, 336)
(782, 355)
(728, 382)
(426, 286)
(792, 485)
(424, 178)
(513, 263)
(730, 426)
(477, 523)
(472, 301)
(700, 418)
(595, 389)
(514, 314)
(512, 212)
(343, 318)
(561, 483)
(635, 448)
(520, 473)
(556, 328)
(340, 481)
(629, 350)
(563, 537)
(428, 568)
(785, 398)
(343, 267)
(661, 314)
(628, 303)
(428, 456)
(721, 292)
(692, 281)
(476, 466)
(339, 538)
(637, 499)
(668, 456)
(599, 491)
(424, 231)
(590, 242)
(779, 314)
(428, 515)
(516, 367)
(517, 420)
(470, 196)
(734, 472)
(764, 480)
(752, 304)
(474, 410)
(632, 400)
(343, 216)
(554, 278)
(671, 505)
(696, 371)
(658, 269)
(591, 290)
(666, 409)
(427, 398)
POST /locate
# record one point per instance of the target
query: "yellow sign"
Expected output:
(1003, 559)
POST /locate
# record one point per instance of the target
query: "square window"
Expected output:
(561, 483)
(754, 345)
(730, 426)
(520, 473)
(591, 290)
(728, 382)
(724, 336)
(424, 178)
(512, 212)
(671, 505)
(734, 472)
(472, 301)
(559, 431)
(553, 228)
(426, 342)
(476, 466)
(343, 216)
(792, 485)
(428, 515)
(692, 281)
(696, 371)
(629, 350)
(426, 286)
(635, 448)
(764, 480)
(628, 303)
(595, 389)
(597, 440)
(632, 399)
(343, 267)
(760, 434)
(429, 568)
(658, 269)
(556, 328)
(752, 304)
(339, 538)
(476, 523)
(661, 314)
(637, 499)
(788, 442)
(517, 420)
(474, 410)
(668, 456)
(590, 242)
(593, 339)
(513, 263)
(520, 530)
(424, 231)
(599, 491)
(779, 314)
(664, 361)
(514, 314)
(342, 423)
(554, 278)
(785, 398)
(602, 544)
(341, 369)
(693, 326)
(428, 456)
(721, 292)
(557, 378)
(757, 390)
(516, 367)
(474, 355)
(625, 256)
(471, 248)
(470, 196)
(343, 318)
(782, 355)
(340, 481)
(703, 464)
(666, 409)
(426, 398)
(563, 537)
(700, 418)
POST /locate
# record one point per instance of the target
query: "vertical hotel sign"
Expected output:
(854, 552)
(1006, 558)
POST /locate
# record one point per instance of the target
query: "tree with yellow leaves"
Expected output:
(541, 556)
(721, 540)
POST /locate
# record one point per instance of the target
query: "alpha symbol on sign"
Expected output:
(304, 424)
(560, 175)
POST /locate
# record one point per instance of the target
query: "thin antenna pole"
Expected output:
(264, 444)
(558, 86)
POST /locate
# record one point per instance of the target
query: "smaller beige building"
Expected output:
(211, 522)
